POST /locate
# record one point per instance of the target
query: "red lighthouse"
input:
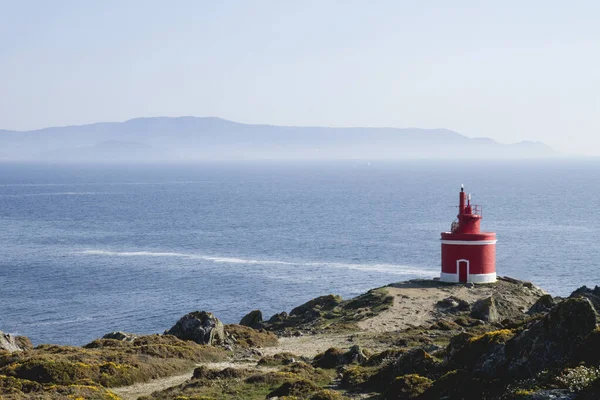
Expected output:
(468, 255)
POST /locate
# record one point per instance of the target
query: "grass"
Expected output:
(240, 384)
(56, 370)
(246, 337)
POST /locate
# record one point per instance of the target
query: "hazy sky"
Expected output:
(509, 70)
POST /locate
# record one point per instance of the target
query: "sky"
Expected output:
(508, 70)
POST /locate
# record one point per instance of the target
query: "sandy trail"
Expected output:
(143, 389)
(133, 392)
(309, 345)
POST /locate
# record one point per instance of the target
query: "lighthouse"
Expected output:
(468, 255)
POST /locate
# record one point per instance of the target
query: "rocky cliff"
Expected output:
(419, 339)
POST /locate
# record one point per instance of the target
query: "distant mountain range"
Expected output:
(209, 138)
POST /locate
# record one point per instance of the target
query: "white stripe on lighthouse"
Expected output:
(474, 278)
(469, 242)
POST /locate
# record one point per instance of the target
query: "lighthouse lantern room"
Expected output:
(468, 255)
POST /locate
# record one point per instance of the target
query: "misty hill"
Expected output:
(193, 138)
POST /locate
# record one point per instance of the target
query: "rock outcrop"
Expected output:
(543, 305)
(547, 343)
(119, 335)
(485, 310)
(593, 295)
(453, 304)
(335, 357)
(278, 318)
(200, 326)
(552, 341)
(314, 306)
(254, 319)
(13, 343)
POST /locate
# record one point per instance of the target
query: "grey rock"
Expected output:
(313, 306)
(123, 336)
(542, 305)
(355, 355)
(254, 319)
(593, 295)
(453, 304)
(200, 326)
(552, 341)
(13, 343)
(447, 302)
(282, 316)
(485, 310)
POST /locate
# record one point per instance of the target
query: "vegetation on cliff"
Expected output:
(475, 343)
(53, 371)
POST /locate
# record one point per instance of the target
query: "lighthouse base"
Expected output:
(471, 278)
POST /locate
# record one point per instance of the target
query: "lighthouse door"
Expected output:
(462, 266)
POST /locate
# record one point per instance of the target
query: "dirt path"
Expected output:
(309, 345)
(143, 389)
(146, 388)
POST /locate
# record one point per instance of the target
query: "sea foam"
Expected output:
(395, 269)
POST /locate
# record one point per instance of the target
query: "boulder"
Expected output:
(386, 357)
(282, 316)
(335, 357)
(253, 319)
(355, 355)
(593, 295)
(331, 358)
(200, 326)
(122, 336)
(510, 310)
(13, 343)
(547, 343)
(416, 361)
(526, 284)
(553, 340)
(542, 305)
(322, 303)
(453, 304)
(485, 310)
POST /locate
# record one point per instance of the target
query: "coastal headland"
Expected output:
(419, 339)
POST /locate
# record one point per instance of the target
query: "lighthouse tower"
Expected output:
(468, 255)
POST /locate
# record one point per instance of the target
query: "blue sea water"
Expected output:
(85, 250)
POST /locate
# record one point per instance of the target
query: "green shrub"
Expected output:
(245, 336)
(408, 387)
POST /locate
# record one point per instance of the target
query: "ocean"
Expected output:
(89, 249)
